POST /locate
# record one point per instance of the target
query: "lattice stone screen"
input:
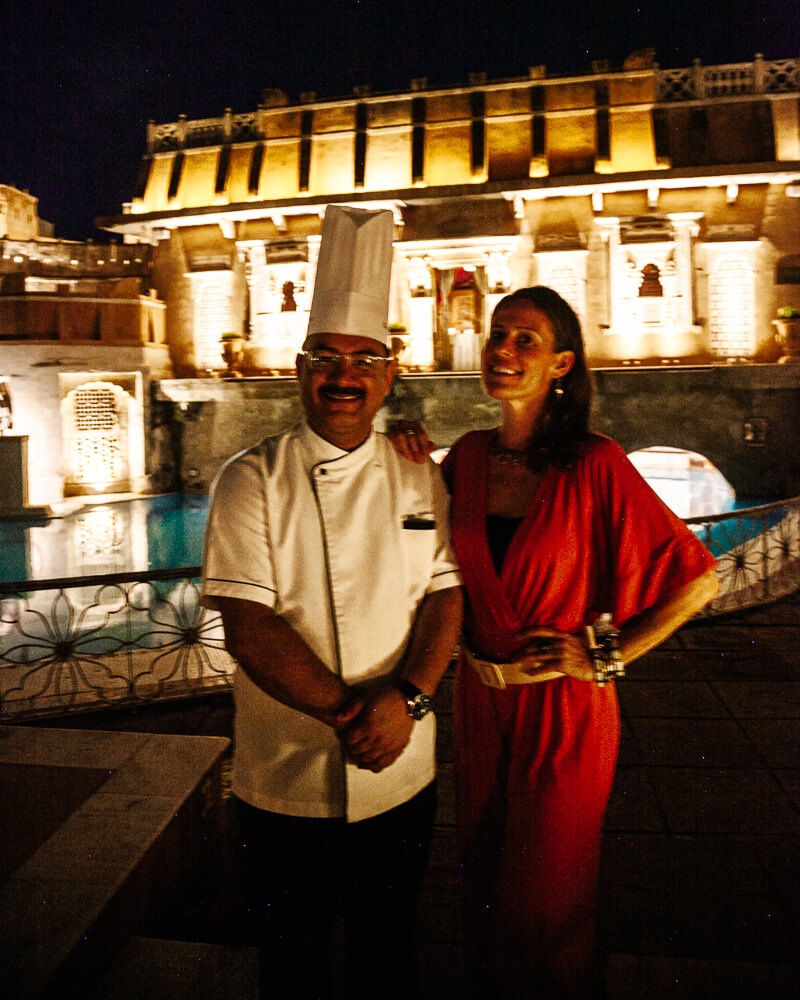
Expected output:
(98, 412)
(102, 432)
(730, 306)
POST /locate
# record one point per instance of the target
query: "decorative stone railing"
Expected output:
(185, 134)
(700, 82)
(78, 257)
(697, 82)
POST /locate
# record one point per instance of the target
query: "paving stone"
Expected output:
(444, 738)
(629, 754)
(781, 861)
(739, 665)
(723, 801)
(180, 970)
(633, 804)
(446, 794)
(760, 698)
(662, 664)
(700, 872)
(790, 780)
(716, 635)
(777, 739)
(702, 895)
(678, 698)
(682, 742)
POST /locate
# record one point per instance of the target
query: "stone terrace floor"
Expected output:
(700, 882)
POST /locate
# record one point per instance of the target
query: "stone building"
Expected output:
(19, 215)
(664, 204)
(82, 337)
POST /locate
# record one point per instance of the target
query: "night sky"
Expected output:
(80, 80)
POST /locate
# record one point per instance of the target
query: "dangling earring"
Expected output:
(558, 391)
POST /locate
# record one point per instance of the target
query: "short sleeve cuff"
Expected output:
(213, 588)
(443, 581)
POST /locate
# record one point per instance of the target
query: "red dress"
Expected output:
(535, 762)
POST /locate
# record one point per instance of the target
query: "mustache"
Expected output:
(351, 390)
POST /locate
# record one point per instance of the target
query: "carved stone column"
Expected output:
(422, 309)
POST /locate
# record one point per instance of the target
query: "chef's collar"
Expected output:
(318, 451)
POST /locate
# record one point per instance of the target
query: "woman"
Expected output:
(553, 527)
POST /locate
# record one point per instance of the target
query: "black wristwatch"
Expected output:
(418, 704)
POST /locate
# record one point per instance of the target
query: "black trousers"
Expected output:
(305, 878)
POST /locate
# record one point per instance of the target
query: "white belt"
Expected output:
(500, 675)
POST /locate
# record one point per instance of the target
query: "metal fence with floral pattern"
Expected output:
(87, 642)
(757, 551)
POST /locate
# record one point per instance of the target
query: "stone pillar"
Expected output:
(422, 310)
(498, 284)
(609, 233)
(14, 480)
(685, 233)
(421, 314)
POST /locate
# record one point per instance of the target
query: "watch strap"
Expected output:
(408, 690)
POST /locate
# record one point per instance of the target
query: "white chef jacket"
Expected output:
(343, 546)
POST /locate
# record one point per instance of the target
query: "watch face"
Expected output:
(419, 707)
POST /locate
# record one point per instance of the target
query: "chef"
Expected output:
(328, 556)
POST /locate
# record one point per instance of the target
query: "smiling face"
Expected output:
(341, 404)
(519, 360)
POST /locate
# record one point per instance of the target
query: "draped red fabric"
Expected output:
(596, 539)
(535, 763)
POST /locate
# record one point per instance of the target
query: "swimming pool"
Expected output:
(162, 532)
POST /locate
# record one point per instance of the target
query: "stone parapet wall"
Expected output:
(743, 418)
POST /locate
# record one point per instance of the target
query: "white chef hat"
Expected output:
(351, 287)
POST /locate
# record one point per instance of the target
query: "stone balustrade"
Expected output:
(696, 82)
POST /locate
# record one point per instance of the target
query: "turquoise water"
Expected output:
(134, 535)
(130, 535)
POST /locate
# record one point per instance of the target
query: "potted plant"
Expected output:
(232, 349)
(398, 343)
(787, 335)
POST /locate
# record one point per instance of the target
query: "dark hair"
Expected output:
(564, 421)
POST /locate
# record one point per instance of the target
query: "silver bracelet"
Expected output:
(606, 655)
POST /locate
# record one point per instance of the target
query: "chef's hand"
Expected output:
(346, 712)
(380, 732)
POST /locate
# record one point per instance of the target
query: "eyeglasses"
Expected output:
(329, 361)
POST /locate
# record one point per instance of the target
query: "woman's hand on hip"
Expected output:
(548, 650)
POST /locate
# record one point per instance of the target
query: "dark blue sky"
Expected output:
(79, 80)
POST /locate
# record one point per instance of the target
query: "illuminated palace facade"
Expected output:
(664, 204)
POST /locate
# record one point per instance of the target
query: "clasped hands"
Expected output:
(374, 727)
